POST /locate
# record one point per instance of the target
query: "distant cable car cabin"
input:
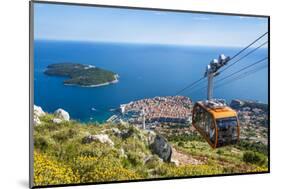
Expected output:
(216, 122)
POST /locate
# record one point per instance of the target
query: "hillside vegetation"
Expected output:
(64, 153)
(80, 74)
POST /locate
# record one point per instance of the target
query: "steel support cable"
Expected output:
(245, 73)
(241, 58)
(228, 76)
(197, 81)
(246, 67)
(190, 85)
(241, 76)
(248, 46)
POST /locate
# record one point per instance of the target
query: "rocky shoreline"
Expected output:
(116, 80)
(82, 75)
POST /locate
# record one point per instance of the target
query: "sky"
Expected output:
(99, 24)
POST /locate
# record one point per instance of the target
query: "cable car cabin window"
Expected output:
(227, 131)
(204, 121)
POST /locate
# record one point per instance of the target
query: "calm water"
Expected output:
(144, 70)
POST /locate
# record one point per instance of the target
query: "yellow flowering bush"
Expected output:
(260, 169)
(93, 169)
(48, 171)
(169, 170)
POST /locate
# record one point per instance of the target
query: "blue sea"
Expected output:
(145, 71)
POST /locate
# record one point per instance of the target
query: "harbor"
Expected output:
(152, 112)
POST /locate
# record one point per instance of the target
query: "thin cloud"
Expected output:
(201, 18)
(243, 17)
(251, 18)
(159, 13)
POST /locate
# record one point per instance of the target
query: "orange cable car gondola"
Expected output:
(216, 122)
(212, 118)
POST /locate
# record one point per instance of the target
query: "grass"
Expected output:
(61, 157)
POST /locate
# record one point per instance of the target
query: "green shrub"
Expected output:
(254, 158)
(42, 143)
(60, 136)
(258, 147)
(153, 162)
(181, 144)
(220, 152)
(135, 158)
(91, 152)
(64, 135)
(92, 169)
(47, 118)
(185, 137)
(134, 145)
(169, 170)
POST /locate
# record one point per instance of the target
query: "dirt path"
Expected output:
(180, 158)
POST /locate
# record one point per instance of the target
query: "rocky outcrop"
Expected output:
(122, 134)
(62, 114)
(175, 162)
(239, 104)
(102, 138)
(181, 158)
(36, 121)
(150, 136)
(122, 153)
(57, 120)
(116, 131)
(38, 112)
(162, 148)
(127, 133)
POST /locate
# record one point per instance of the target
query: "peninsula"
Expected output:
(82, 75)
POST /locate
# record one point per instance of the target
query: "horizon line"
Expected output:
(140, 43)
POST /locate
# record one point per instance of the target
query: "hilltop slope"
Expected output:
(72, 152)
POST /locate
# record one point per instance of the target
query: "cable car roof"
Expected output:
(221, 112)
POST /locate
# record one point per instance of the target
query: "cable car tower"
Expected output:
(212, 71)
(214, 120)
(143, 119)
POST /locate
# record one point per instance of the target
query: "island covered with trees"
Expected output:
(82, 74)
